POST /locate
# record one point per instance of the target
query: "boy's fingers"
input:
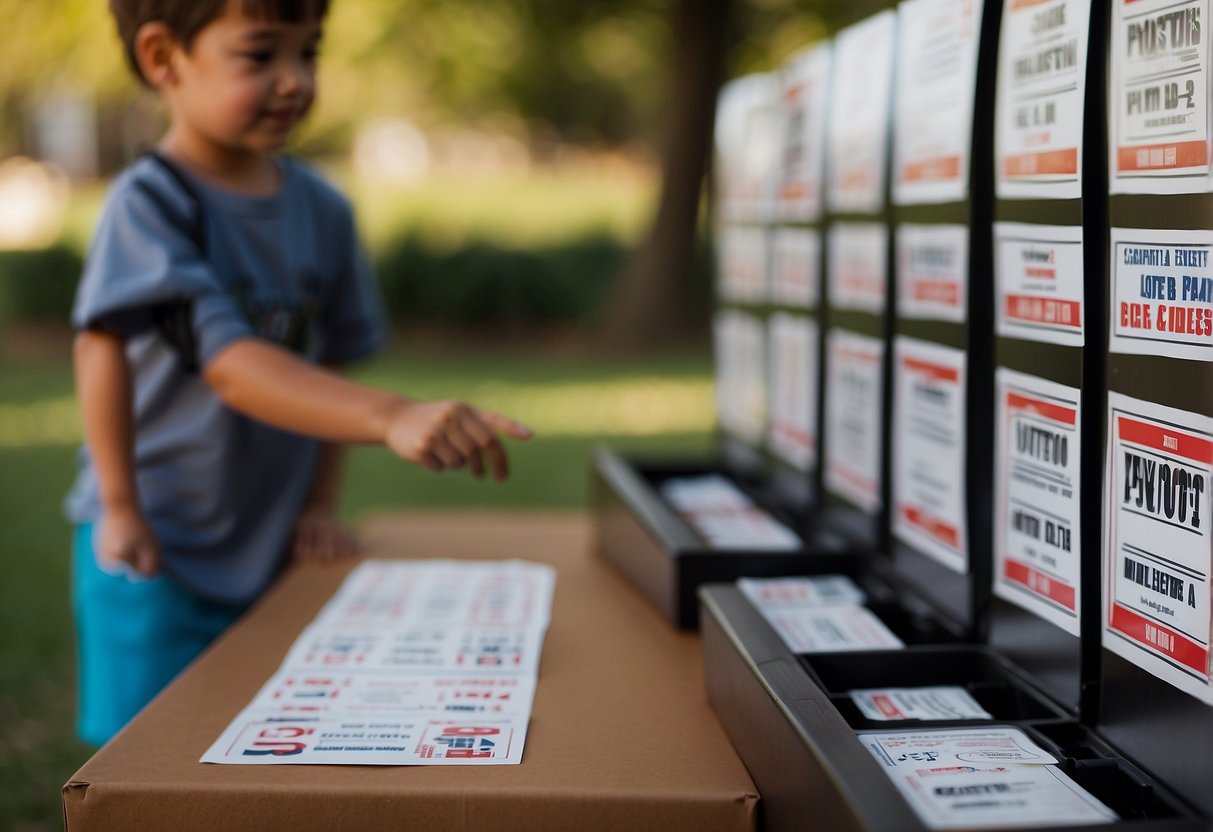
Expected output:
(146, 561)
(447, 454)
(504, 424)
(478, 427)
(461, 434)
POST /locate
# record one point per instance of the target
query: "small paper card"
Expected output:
(925, 703)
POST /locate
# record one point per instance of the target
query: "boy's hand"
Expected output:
(445, 436)
(321, 538)
(126, 537)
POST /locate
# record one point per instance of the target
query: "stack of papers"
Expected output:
(821, 614)
(982, 778)
(724, 516)
(410, 663)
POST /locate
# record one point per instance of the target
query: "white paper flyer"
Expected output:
(806, 95)
(929, 451)
(1158, 105)
(1038, 272)
(854, 404)
(932, 272)
(742, 255)
(796, 271)
(747, 136)
(1037, 497)
(792, 436)
(741, 392)
(936, 82)
(858, 126)
(1162, 293)
(1157, 547)
(857, 266)
(1042, 71)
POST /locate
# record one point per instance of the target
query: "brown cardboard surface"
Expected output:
(621, 735)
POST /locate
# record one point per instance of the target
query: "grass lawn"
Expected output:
(659, 405)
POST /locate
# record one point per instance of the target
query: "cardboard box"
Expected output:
(621, 735)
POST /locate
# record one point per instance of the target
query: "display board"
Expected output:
(794, 331)
(858, 251)
(749, 143)
(1049, 140)
(942, 389)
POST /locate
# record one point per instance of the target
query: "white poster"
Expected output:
(741, 395)
(1042, 70)
(854, 404)
(1038, 273)
(933, 272)
(1162, 293)
(857, 266)
(796, 272)
(747, 138)
(858, 126)
(1157, 547)
(1158, 104)
(806, 95)
(936, 83)
(792, 436)
(929, 451)
(742, 264)
(1037, 542)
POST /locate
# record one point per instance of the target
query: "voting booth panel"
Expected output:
(1046, 561)
(672, 525)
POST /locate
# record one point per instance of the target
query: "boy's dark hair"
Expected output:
(186, 18)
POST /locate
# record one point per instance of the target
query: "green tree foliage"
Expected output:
(591, 73)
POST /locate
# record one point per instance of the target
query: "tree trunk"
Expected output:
(652, 300)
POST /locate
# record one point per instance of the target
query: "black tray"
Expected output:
(642, 536)
(794, 726)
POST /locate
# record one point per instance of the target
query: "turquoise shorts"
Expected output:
(133, 635)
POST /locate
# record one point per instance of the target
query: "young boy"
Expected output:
(223, 278)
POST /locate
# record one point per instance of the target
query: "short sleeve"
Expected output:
(144, 259)
(352, 320)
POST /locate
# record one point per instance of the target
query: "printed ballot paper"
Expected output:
(926, 703)
(982, 778)
(409, 663)
(724, 516)
(821, 614)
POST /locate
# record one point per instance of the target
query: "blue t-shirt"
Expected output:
(220, 490)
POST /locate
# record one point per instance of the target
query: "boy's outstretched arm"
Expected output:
(103, 386)
(275, 386)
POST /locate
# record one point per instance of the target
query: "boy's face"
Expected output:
(245, 83)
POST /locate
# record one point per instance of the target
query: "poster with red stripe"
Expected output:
(854, 404)
(1036, 497)
(929, 451)
(1162, 293)
(857, 129)
(806, 94)
(1158, 97)
(933, 272)
(933, 116)
(1038, 278)
(1157, 548)
(792, 435)
(1042, 67)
